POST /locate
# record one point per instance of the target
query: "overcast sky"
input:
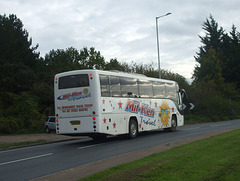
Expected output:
(124, 29)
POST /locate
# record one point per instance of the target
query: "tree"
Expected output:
(231, 57)
(17, 58)
(63, 60)
(210, 68)
(213, 40)
(15, 42)
(115, 65)
(112, 65)
(216, 75)
(91, 58)
(219, 55)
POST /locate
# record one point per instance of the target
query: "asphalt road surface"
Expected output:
(37, 161)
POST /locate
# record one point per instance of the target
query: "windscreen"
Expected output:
(73, 81)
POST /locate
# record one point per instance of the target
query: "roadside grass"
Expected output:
(214, 158)
(4, 146)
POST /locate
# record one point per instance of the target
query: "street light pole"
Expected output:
(159, 70)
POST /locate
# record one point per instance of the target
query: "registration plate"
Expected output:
(74, 123)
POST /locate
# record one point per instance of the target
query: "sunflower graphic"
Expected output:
(164, 113)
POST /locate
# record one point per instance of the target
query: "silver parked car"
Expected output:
(50, 124)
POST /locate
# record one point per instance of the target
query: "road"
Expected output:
(37, 161)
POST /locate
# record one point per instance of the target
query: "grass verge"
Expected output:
(215, 158)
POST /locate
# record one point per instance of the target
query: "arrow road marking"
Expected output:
(24, 159)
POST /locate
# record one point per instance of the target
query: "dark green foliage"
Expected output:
(22, 111)
(8, 126)
(218, 58)
(91, 58)
(17, 58)
(15, 44)
(18, 65)
(115, 65)
(215, 90)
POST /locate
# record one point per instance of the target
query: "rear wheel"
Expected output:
(133, 130)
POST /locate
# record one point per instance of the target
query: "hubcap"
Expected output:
(174, 124)
(133, 129)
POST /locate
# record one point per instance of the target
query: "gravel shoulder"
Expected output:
(41, 138)
(52, 137)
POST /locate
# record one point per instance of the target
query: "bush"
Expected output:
(213, 102)
(8, 126)
(25, 109)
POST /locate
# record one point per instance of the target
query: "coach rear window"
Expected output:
(74, 81)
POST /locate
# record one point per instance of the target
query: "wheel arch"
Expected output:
(133, 118)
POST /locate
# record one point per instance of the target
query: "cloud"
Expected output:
(125, 29)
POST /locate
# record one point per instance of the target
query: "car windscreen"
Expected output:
(73, 81)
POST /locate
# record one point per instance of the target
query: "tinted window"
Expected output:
(115, 86)
(104, 82)
(171, 91)
(52, 119)
(73, 81)
(145, 88)
(129, 87)
(159, 90)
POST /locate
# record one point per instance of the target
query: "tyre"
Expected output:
(48, 130)
(133, 129)
(173, 124)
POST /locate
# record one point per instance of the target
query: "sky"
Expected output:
(124, 29)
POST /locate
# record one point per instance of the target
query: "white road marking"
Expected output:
(83, 147)
(24, 148)
(24, 159)
(220, 125)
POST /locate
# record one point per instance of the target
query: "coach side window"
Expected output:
(145, 89)
(115, 86)
(171, 91)
(104, 83)
(159, 90)
(129, 87)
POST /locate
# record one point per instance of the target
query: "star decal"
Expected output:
(104, 120)
(103, 101)
(156, 104)
(114, 125)
(120, 105)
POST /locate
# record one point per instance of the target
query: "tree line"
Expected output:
(26, 78)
